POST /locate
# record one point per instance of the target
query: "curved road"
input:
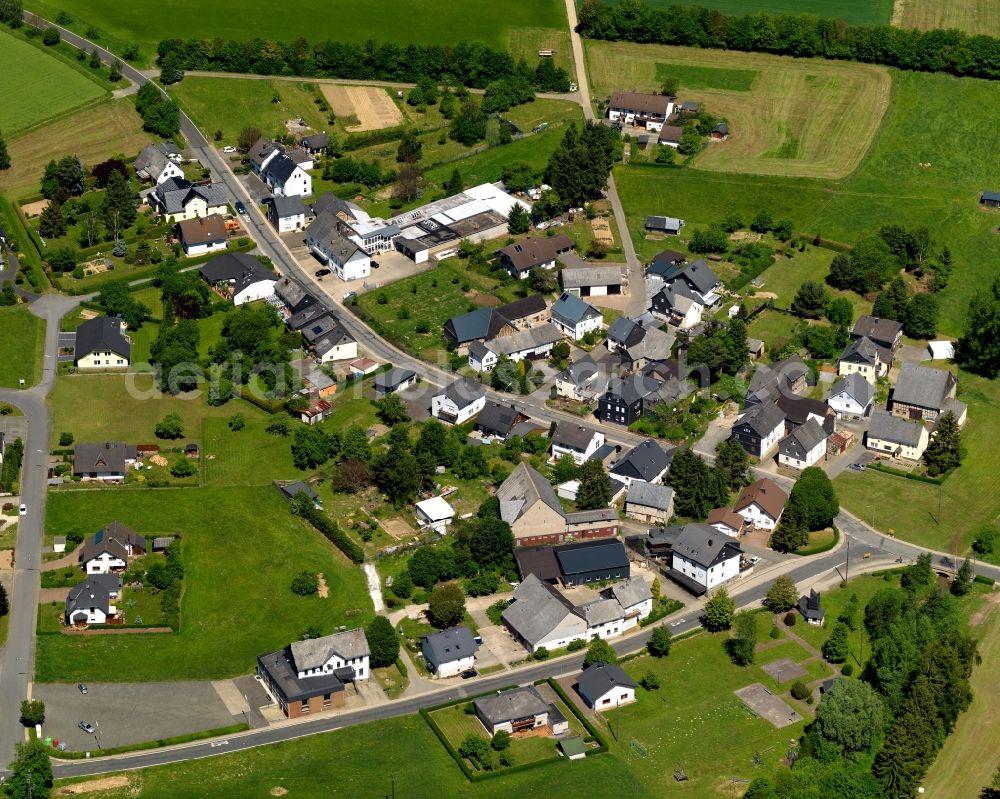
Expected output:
(16, 660)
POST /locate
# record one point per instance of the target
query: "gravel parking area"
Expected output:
(129, 713)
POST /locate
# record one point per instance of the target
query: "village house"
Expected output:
(532, 344)
(759, 429)
(635, 344)
(582, 381)
(699, 280)
(177, 199)
(635, 597)
(864, 357)
(592, 561)
(328, 340)
(396, 379)
(285, 178)
(664, 224)
(924, 393)
(449, 652)
(592, 281)
(291, 293)
(202, 235)
(101, 344)
(497, 422)
(287, 214)
(459, 402)
(308, 676)
(804, 446)
(761, 504)
(486, 324)
(670, 136)
(726, 521)
(703, 558)
(647, 462)
(435, 514)
(770, 382)
(107, 460)
(540, 616)
(520, 258)
(574, 317)
(677, 305)
(886, 333)
(530, 506)
(315, 143)
(652, 504)
(640, 109)
(577, 441)
(605, 686)
(239, 277)
(628, 399)
(154, 163)
(111, 549)
(851, 397)
(92, 601)
(343, 256)
(896, 436)
(811, 608)
(519, 710)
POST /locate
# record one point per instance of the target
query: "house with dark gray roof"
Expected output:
(93, 600)
(649, 503)
(582, 381)
(866, 358)
(677, 305)
(520, 258)
(700, 280)
(519, 710)
(107, 460)
(887, 333)
(239, 277)
(811, 608)
(804, 446)
(771, 381)
(316, 143)
(647, 461)
(759, 428)
(896, 436)
(628, 399)
(539, 561)
(293, 295)
(449, 652)
(635, 597)
(285, 177)
(287, 214)
(799, 410)
(574, 317)
(308, 676)
(101, 344)
(396, 379)
(664, 224)
(531, 344)
(111, 549)
(925, 393)
(261, 153)
(703, 558)
(637, 343)
(485, 324)
(593, 561)
(459, 402)
(605, 686)
(851, 397)
(178, 199)
(326, 238)
(642, 109)
(540, 616)
(154, 163)
(497, 420)
(575, 440)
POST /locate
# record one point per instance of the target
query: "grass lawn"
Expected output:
(971, 16)
(889, 187)
(231, 104)
(251, 456)
(774, 329)
(37, 86)
(786, 275)
(102, 407)
(419, 22)
(239, 544)
(363, 758)
(941, 517)
(438, 297)
(21, 346)
(855, 12)
(791, 117)
(94, 133)
(526, 42)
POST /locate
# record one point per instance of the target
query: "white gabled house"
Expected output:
(287, 214)
(851, 397)
(154, 163)
(704, 558)
(574, 317)
(635, 597)
(761, 504)
(449, 652)
(459, 402)
(605, 686)
(804, 446)
(285, 178)
(111, 549)
(343, 256)
(577, 441)
(92, 601)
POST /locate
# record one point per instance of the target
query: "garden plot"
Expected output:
(371, 105)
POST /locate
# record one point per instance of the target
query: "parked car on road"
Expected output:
(229, 149)
(82, 687)
(23, 510)
(87, 727)
(241, 208)
(322, 272)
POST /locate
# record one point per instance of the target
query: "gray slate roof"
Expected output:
(537, 609)
(94, 592)
(598, 679)
(314, 652)
(644, 461)
(891, 428)
(244, 270)
(449, 645)
(802, 440)
(279, 169)
(330, 202)
(633, 388)
(922, 386)
(705, 545)
(102, 334)
(517, 703)
(586, 374)
(316, 141)
(862, 350)
(391, 380)
(523, 340)
(573, 436)
(856, 387)
(173, 195)
(570, 310)
(698, 275)
(649, 495)
(878, 330)
(115, 539)
(605, 553)
(285, 207)
(629, 592)
(106, 456)
(521, 490)
(762, 418)
(465, 391)
(587, 276)
(498, 419)
(601, 611)
(152, 160)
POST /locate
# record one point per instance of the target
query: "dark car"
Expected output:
(375, 264)
(241, 208)
(82, 687)
(322, 272)
(468, 674)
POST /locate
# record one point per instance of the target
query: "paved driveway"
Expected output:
(127, 713)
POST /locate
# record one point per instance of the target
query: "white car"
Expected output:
(229, 149)
(23, 510)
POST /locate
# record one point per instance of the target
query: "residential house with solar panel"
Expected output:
(574, 317)
(520, 258)
(111, 549)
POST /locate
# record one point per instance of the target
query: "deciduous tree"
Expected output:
(782, 595)
(382, 641)
(599, 651)
(446, 605)
(595, 487)
(719, 611)
(744, 639)
(849, 718)
(660, 642)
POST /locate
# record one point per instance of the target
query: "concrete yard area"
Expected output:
(785, 670)
(768, 706)
(129, 713)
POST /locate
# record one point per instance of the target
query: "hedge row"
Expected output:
(332, 531)
(983, 579)
(177, 739)
(921, 478)
(666, 607)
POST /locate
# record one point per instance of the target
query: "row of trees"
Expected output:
(578, 169)
(802, 35)
(465, 63)
(876, 260)
(978, 349)
(160, 115)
